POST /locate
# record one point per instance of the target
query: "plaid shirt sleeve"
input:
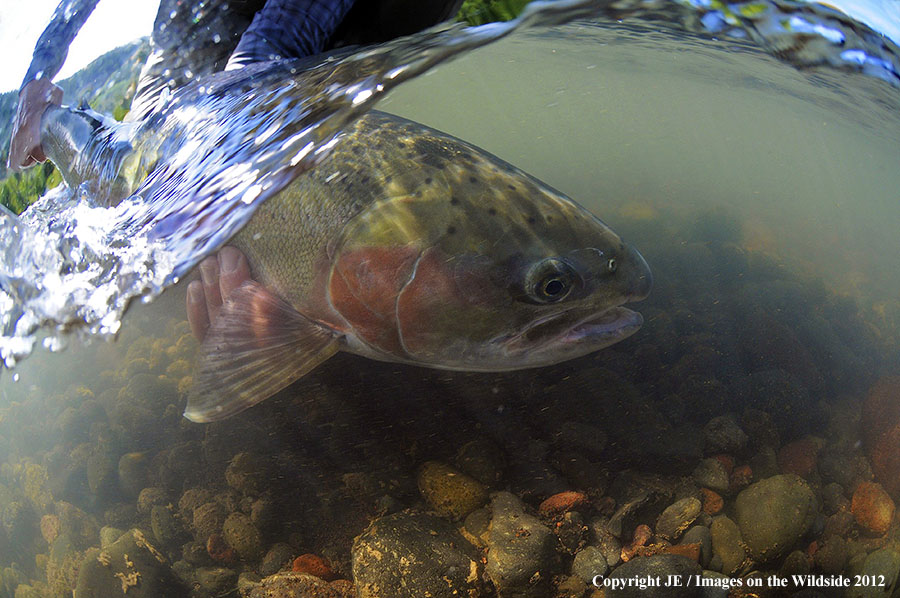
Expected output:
(290, 29)
(53, 45)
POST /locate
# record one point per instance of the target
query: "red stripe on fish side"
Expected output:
(431, 292)
(364, 287)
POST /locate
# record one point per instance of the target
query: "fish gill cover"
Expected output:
(227, 143)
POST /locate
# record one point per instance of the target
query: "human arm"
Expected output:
(38, 92)
(289, 29)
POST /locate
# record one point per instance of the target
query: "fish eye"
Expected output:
(611, 265)
(549, 280)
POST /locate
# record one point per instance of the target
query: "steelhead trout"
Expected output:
(404, 245)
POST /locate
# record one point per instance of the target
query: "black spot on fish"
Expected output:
(492, 211)
(512, 187)
(473, 179)
(401, 145)
(418, 193)
(388, 179)
(531, 220)
(357, 149)
(454, 201)
(428, 181)
(451, 230)
(364, 180)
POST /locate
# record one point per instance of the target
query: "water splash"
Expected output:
(212, 155)
(224, 144)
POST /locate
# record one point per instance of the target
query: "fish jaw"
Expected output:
(568, 335)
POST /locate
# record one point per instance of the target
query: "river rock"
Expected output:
(601, 537)
(215, 581)
(150, 497)
(872, 508)
(207, 519)
(102, 475)
(723, 435)
(129, 566)
(884, 562)
(242, 535)
(246, 473)
(727, 544)
(677, 517)
(773, 514)
(297, 585)
(521, 551)
(711, 473)
(699, 534)
(588, 563)
(132, 473)
(662, 566)
(164, 525)
(409, 555)
(450, 493)
(277, 557)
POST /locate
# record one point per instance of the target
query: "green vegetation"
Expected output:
(21, 189)
(107, 85)
(479, 12)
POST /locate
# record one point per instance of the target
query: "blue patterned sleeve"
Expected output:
(53, 45)
(290, 29)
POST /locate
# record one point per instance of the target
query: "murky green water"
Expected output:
(752, 426)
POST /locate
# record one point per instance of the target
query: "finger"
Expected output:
(209, 275)
(197, 315)
(233, 270)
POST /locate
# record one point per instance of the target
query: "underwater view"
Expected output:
(608, 304)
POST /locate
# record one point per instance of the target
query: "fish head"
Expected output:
(496, 274)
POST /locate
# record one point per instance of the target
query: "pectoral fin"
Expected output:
(257, 345)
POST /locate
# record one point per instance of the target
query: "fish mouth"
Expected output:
(569, 331)
(615, 324)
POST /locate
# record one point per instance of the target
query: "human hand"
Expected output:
(25, 145)
(220, 275)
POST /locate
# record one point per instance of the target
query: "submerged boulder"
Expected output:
(773, 514)
(129, 566)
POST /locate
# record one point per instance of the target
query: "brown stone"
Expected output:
(313, 565)
(561, 503)
(872, 508)
(712, 501)
(799, 457)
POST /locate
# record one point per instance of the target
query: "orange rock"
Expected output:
(726, 461)
(740, 477)
(219, 550)
(799, 457)
(881, 410)
(313, 565)
(885, 457)
(712, 501)
(872, 508)
(562, 502)
(642, 535)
